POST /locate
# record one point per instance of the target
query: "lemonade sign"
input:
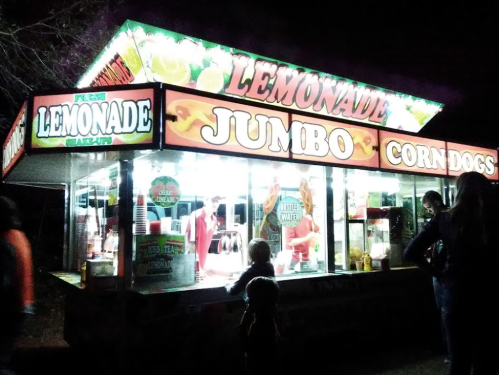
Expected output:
(164, 191)
(82, 119)
(140, 53)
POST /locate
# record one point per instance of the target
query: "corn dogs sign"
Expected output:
(462, 158)
(205, 123)
(408, 153)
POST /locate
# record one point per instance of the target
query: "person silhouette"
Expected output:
(258, 329)
(468, 231)
(16, 281)
(433, 203)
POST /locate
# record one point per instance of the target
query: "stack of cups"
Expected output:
(198, 276)
(141, 215)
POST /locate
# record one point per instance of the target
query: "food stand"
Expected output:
(172, 124)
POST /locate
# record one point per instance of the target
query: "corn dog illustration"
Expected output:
(306, 196)
(271, 199)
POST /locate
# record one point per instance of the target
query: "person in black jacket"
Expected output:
(433, 203)
(259, 254)
(469, 233)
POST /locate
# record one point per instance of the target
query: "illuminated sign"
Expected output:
(462, 158)
(408, 153)
(13, 147)
(106, 118)
(140, 53)
(196, 121)
(333, 142)
(219, 125)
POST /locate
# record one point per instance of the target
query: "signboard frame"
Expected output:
(157, 119)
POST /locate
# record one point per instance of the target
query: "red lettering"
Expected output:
(115, 68)
(235, 87)
(284, 90)
(127, 72)
(329, 95)
(346, 103)
(366, 105)
(107, 80)
(307, 92)
(258, 89)
(379, 113)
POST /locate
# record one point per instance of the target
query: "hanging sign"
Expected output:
(140, 53)
(163, 255)
(107, 118)
(408, 153)
(164, 191)
(290, 212)
(463, 158)
(13, 146)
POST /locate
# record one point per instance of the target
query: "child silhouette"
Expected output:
(258, 328)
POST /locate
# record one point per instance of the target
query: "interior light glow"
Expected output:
(389, 185)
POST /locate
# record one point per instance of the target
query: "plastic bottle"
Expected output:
(97, 252)
(368, 261)
(90, 246)
(83, 271)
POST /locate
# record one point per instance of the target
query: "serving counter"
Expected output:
(321, 318)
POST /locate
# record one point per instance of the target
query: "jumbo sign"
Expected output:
(220, 125)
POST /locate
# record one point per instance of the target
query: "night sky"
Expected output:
(436, 52)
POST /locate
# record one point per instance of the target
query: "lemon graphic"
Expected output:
(47, 142)
(170, 69)
(135, 138)
(132, 59)
(211, 80)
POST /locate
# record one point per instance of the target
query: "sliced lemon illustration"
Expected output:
(170, 69)
(135, 138)
(48, 142)
(211, 79)
(132, 59)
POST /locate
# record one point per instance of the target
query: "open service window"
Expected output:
(382, 213)
(195, 213)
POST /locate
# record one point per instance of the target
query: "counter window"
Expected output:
(384, 212)
(194, 215)
(95, 215)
